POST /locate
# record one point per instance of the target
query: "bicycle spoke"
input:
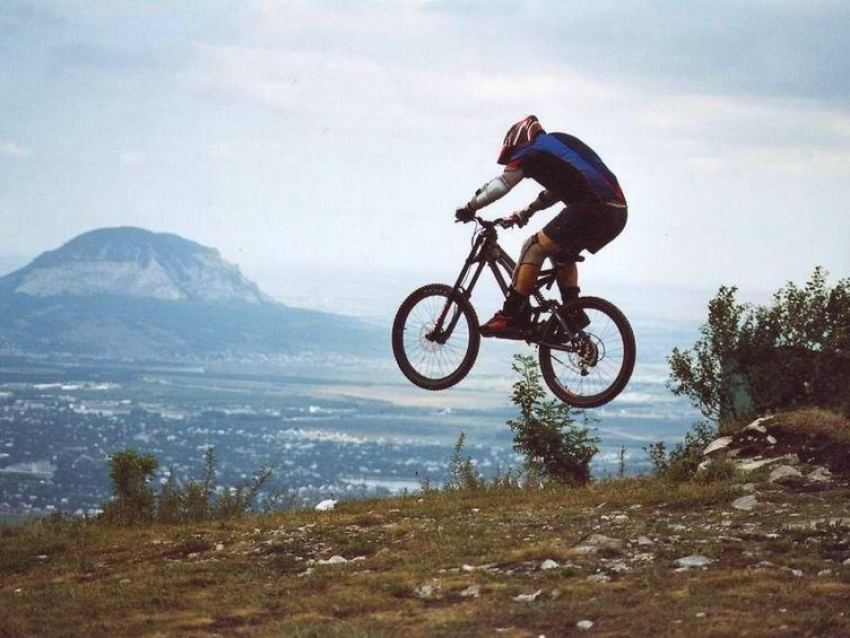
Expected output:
(431, 358)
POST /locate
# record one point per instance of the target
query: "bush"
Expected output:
(680, 464)
(757, 359)
(135, 502)
(545, 432)
(464, 475)
(133, 499)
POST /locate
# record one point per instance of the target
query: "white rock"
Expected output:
(820, 475)
(745, 503)
(596, 542)
(798, 573)
(825, 572)
(333, 560)
(783, 472)
(645, 540)
(219, 547)
(598, 578)
(473, 591)
(757, 425)
(472, 568)
(694, 560)
(549, 564)
(717, 445)
(427, 591)
(749, 466)
(704, 465)
(528, 598)
(584, 624)
(327, 504)
(771, 440)
(846, 561)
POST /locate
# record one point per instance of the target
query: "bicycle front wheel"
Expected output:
(435, 337)
(592, 368)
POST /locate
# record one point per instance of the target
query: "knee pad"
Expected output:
(531, 253)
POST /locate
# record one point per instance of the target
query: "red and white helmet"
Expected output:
(520, 134)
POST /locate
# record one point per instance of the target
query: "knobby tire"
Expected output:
(412, 352)
(575, 393)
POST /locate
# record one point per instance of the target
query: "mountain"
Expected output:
(129, 292)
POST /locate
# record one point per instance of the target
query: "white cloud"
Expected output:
(14, 151)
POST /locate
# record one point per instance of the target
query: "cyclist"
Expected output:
(595, 213)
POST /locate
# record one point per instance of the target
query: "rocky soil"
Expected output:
(765, 553)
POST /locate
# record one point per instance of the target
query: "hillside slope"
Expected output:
(632, 557)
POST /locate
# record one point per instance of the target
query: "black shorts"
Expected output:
(586, 227)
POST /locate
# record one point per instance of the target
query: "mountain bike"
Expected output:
(586, 346)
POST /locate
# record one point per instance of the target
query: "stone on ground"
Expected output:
(784, 473)
(745, 503)
(694, 560)
(717, 445)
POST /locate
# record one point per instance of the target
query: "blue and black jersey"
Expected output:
(569, 168)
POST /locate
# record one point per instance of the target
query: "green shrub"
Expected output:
(133, 498)
(680, 464)
(793, 352)
(720, 469)
(463, 473)
(555, 448)
(135, 502)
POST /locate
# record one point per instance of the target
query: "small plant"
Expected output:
(133, 498)
(555, 448)
(464, 475)
(135, 502)
(621, 462)
(721, 469)
(681, 463)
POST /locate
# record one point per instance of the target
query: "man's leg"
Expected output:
(527, 272)
(568, 281)
(509, 319)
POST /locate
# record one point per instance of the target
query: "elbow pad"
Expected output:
(490, 192)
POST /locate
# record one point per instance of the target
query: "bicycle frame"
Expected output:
(486, 252)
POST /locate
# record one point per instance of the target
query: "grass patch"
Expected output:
(267, 579)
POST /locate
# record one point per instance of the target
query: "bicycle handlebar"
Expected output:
(499, 221)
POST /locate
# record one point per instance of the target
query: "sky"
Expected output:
(325, 144)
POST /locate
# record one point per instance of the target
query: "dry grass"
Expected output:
(814, 423)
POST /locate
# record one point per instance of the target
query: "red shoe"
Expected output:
(502, 325)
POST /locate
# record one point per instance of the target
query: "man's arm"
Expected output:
(496, 188)
(544, 200)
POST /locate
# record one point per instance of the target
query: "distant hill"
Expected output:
(129, 292)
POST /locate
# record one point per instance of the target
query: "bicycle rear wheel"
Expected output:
(591, 369)
(430, 359)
